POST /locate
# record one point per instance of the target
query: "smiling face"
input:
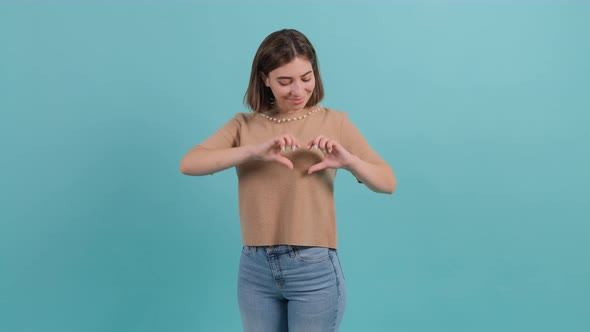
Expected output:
(292, 84)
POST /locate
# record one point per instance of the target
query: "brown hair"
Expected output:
(277, 49)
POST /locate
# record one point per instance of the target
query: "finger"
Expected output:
(318, 142)
(312, 145)
(293, 143)
(331, 145)
(297, 144)
(285, 161)
(288, 142)
(280, 141)
(322, 143)
(325, 145)
(314, 142)
(317, 167)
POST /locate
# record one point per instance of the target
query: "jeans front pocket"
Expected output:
(336, 263)
(248, 250)
(312, 254)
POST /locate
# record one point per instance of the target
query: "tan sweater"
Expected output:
(282, 206)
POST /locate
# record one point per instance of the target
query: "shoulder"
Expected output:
(335, 115)
(340, 120)
(243, 117)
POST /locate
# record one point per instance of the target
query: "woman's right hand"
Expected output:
(271, 150)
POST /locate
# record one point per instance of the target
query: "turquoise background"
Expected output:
(480, 107)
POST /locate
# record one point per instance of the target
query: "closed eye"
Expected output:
(286, 80)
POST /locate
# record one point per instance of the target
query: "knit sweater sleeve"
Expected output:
(228, 136)
(352, 139)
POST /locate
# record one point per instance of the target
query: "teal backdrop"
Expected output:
(481, 108)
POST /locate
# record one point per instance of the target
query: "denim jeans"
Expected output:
(290, 288)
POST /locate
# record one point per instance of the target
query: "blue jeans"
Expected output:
(290, 288)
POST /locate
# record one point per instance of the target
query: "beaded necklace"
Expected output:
(292, 119)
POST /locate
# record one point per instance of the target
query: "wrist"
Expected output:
(251, 153)
(352, 164)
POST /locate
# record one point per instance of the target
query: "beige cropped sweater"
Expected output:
(282, 206)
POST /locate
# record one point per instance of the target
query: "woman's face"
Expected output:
(292, 84)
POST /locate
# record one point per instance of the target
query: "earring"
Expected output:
(271, 97)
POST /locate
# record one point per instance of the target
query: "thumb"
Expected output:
(285, 161)
(317, 167)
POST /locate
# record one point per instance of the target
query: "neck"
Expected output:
(292, 116)
(286, 112)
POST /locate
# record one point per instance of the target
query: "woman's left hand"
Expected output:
(335, 155)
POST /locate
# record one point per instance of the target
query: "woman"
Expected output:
(286, 153)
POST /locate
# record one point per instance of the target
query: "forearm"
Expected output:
(202, 161)
(379, 177)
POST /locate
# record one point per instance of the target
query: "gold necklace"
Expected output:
(292, 119)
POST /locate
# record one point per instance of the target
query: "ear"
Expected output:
(264, 79)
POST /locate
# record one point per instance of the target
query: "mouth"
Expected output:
(297, 101)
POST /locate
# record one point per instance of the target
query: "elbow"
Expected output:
(391, 185)
(391, 188)
(184, 167)
(188, 164)
(189, 167)
(386, 185)
(385, 188)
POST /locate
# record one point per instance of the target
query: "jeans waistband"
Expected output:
(278, 249)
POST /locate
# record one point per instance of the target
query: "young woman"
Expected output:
(286, 153)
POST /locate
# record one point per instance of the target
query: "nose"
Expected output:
(297, 88)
